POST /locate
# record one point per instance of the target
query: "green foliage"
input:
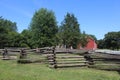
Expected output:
(69, 31)
(43, 28)
(27, 42)
(83, 39)
(7, 28)
(112, 40)
(15, 39)
(8, 25)
(43, 31)
(100, 44)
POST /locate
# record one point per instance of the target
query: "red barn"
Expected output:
(91, 45)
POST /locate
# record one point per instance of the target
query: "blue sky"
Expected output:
(95, 17)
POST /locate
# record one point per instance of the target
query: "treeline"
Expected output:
(44, 31)
(110, 41)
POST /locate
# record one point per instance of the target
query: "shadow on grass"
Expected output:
(118, 72)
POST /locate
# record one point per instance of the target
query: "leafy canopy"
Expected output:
(70, 32)
(7, 28)
(43, 28)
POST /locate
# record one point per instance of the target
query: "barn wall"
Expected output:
(91, 45)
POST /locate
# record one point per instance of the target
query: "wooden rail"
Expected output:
(65, 59)
(7, 53)
(62, 60)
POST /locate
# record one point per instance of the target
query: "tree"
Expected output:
(27, 42)
(15, 39)
(70, 32)
(43, 28)
(101, 44)
(83, 39)
(6, 27)
(112, 40)
(3, 36)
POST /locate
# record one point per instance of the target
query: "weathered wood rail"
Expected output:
(69, 59)
(23, 53)
(103, 61)
(62, 59)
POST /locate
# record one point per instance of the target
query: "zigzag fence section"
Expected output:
(63, 58)
(103, 61)
(24, 55)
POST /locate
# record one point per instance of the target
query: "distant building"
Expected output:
(91, 45)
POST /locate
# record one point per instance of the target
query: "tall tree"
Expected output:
(43, 28)
(27, 42)
(70, 31)
(6, 28)
(101, 44)
(83, 39)
(112, 40)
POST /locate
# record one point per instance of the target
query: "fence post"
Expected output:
(23, 55)
(5, 53)
(37, 50)
(89, 59)
(54, 58)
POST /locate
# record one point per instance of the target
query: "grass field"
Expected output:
(10, 70)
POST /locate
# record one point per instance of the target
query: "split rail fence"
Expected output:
(91, 60)
(62, 59)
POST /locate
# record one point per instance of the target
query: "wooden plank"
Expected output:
(5, 58)
(13, 50)
(72, 62)
(31, 50)
(52, 61)
(64, 57)
(72, 65)
(1, 49)
(70, 59)
(13, 53)
(1, 56)
(108, 64)
(61, 52)
(66, 54)
(106, 59)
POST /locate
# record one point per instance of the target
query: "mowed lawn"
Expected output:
(10, 70)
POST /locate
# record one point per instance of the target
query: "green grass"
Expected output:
(10, 70)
